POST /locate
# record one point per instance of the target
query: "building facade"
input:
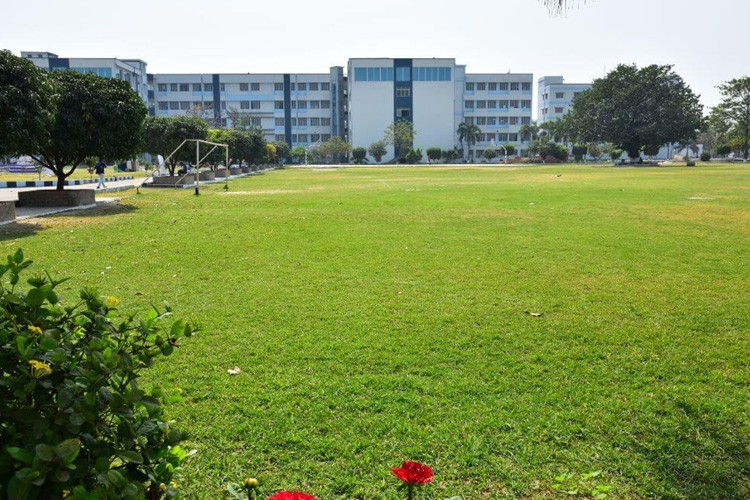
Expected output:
(132, 71)
(299, 109)
(555, 97)
(436, 95)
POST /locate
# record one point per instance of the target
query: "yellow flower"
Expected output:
(39, 369)
(250, 483)
(35, 330)
(111, 301)
(163, 487)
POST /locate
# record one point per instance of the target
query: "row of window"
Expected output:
(186, 105)
(559, 95)
(514, 104)
(499, 120)
(304, 122)
(498, 138)
(558, 110)
(403, 74)
(244, 87)
(494, 86)
(304, 138)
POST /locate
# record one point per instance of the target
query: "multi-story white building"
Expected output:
(299, 109)
(436, 95)
(132, 71)
(555, 97)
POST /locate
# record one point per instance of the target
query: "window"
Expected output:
(325, 104)
(314, 137)
(254, 104)
(489, 137)
(514, 104)
(504, 86)
(492, 104)
(244, 87)
(502, 120)
(184, 87)
(313, 86)
(481, 120)
(302, 87)
(300, 104)
(326, 122)
(278, 87)
(403, 91)
(208, 87)
(526, 104)
(514, 120)
(302, 122)
(221, 87)
(576, 94)
(468, 104)
(481, 104)
(196, 87)
(279, 122)
(469, 121)
(502, 137)
(185, 105)
(491, 120)
(545, 96)
(374, 74)
(403, 74)
(280, 138)
(163, 106)
(292, 86)
(223, 105)
(314, 122)
(515, 86)
(302, 138)
(174, 105)
(293, 122)
(432, 74)
(255, 121)
(314, 104)
(513, 137)
(558, 110)
(197, 105)
(559, 95)
(525, 120)
(404, 113)
(208, 105)
(325, 86)
(503, 104)
(526, 86)
(162, 87)
(469, 86)
(325, 137)
(255, 86)
(278, 105)
(173, 87)
(481, 86)
(492, 86)
(294, 137)
(244, 104)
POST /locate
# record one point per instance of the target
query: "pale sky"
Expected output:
(707, 41)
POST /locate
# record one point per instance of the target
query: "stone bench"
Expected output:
(7, 211)
(55, 198)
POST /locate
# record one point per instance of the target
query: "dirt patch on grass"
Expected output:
(263, 192)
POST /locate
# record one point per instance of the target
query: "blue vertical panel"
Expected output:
(59, 63)
(403, 71)
(288, 109)
(217, 102)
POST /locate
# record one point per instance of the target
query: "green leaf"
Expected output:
(178, 329)
(116, 478)
(18, 256)
(45, 453)
(68, 450)
(18, 490)
(20, 454)
(131, 456)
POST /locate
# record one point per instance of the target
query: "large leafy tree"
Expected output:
(335, 148)
(733, 113)
(470, 133)
(94, 116)
(162, 135)
(400, 134)
(27, 104)
(633, 107)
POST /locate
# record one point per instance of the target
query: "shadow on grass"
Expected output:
(16, 230)
(701, 456)
(101, 210)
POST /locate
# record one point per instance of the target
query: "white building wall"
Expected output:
(371, 105)
(434, 109)
(555, 98)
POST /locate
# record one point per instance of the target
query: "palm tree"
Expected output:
(470, 133)
(529, 132)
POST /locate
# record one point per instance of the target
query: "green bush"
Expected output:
(579, 151)
(705, 156)
(359, 155)
(414, 155)
(434, 154)
(73, 420)
(489, 154)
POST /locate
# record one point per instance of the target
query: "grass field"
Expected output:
(380, 315)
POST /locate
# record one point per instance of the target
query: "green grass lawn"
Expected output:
(381, 315)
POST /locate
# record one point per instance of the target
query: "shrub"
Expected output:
(723, 149)
(434, 154)
(706, 156)
(359, 155)
(552, 159)
(579, 151)
(377, 150)
(489, 154)
(449, 155)
(510, 149)
(414, 155)
(72, 416)
(615, 154)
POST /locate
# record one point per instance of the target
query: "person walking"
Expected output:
(100, 166)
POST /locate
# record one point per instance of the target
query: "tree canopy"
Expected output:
(732, 115)
(633, 108)
(27, 103)
(400, 134)
(162, 135)
(94, 116)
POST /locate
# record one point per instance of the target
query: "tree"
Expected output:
(271, 152)
(651, 150)
(247, 145)
(633, 107)
(94, 116)
(359, 155)
(449, 155)
(335, 148)
(529, 131)
(470, 133)
(723, 149)
(734, 110)
(489, 154)
(508, 149)
(282, 149)
(27, 105)
(162, 135)
(241, 120)
(546, 147)
(414, 155)
(579, 151)
(433, 154)
(378, 150)
(595, 150)
(400, 134)
(299, 153)
(218, 156)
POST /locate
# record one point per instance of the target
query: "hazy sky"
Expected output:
(707, 41)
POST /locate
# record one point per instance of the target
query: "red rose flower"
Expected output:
(291, 495)
(413, 473)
